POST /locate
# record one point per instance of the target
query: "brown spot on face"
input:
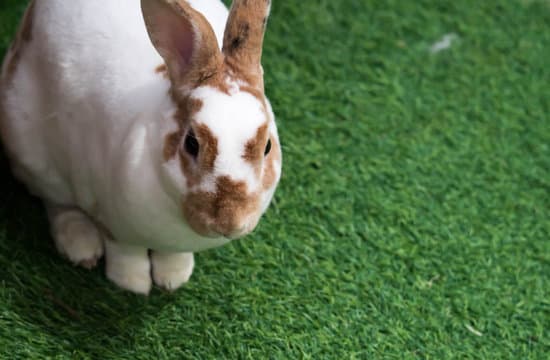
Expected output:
(187, 108)
(171, 144)
(255, 148)
(224, 211)
(208, 147)
(162, 70)
(24, 35)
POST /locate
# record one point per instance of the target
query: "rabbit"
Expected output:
(143, 127)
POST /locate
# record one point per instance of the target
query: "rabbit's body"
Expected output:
(86, 116)
(85, 124)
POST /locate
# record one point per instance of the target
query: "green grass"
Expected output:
(412, 220)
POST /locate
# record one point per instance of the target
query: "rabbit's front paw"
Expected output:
(170, 271)
(76, 237)
(128, 267)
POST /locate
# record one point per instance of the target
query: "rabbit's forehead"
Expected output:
(230, 116)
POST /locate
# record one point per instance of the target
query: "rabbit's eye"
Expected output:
(191, 144)
(267, 147)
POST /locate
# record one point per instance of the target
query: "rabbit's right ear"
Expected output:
(184, 38)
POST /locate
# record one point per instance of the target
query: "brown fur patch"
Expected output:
(217, 80)
(187, 108)
(162, 70)
(254, 149)
(171, 144)
(24, 35)
(209, 147)
(222, 211)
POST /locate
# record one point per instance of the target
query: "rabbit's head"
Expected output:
(225, 155)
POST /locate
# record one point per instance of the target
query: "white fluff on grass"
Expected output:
(444, 43)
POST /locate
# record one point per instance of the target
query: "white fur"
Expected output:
(86, 121)
(444, 43)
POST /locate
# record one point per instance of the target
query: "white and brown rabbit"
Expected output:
(145, 129)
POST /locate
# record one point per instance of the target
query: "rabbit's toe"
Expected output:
(170, 271)
(129, 267)
(137, 282)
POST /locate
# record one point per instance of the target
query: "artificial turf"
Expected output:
(412, 220)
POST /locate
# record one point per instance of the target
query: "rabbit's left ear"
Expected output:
(243, 39)
(184, 38)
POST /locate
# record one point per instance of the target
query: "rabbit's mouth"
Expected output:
(230, 211)
(226, 227)
(241, 232)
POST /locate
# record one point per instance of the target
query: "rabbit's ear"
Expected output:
(184, 38)
(243, 39)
